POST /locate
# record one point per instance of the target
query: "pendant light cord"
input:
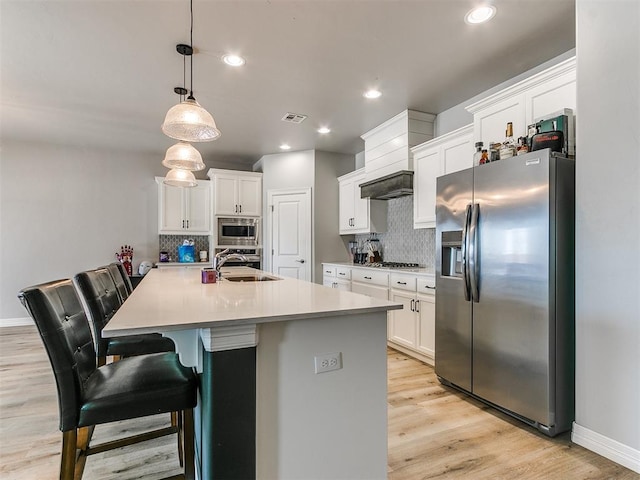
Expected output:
(191, 40)
(184, 78)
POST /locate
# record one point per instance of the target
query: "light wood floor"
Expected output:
(434, 432)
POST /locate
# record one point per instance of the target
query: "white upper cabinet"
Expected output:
(236, 193)
(444, 154)
(356, 214)
(387, 147)
(184, 210)
(427, 164)
(540, 96)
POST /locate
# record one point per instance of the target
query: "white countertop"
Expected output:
(417, 271)
(175, 299)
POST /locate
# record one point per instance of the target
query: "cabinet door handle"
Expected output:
(341, 273)
(413, 302)
(182, 223)
(430, 288)
(417, 306)
(327, 271)
(401, 283)
(367, 278)
(187, 223)
(240, 208)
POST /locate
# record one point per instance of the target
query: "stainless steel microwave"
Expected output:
(238, 231)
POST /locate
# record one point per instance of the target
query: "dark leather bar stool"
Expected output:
(89, 395)
(125, 276)
(102, 301)
(120, 279)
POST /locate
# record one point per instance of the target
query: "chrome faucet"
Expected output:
(221, 257)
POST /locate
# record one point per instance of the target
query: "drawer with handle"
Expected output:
(370, 276)
(329, 270)
(403, 282)
(426, 285)
(344, 273)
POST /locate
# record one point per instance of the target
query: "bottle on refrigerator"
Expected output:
(478, 154)
(508, 148)
(523, 146)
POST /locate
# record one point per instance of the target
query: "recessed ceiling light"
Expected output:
(480, 14)
(324, 130)
(372, 94)
(233, 60)
(284, 146)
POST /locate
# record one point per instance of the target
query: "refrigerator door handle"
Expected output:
(474, 267)
(465, 249)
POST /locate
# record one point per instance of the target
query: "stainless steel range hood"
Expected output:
(395, 185)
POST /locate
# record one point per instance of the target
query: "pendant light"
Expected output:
(178, 177)
(184, 156)
(188, 121)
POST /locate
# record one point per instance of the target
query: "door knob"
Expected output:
(300, 261)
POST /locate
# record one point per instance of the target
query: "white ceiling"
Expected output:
(101, 73)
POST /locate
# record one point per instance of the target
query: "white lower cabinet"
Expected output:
(336, 277)
(412, 329)
(367, 281)
(403, 324)
(426, 305)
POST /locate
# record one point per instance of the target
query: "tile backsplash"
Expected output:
(401, 243)
(170, 244)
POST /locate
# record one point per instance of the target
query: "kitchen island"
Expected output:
(263, 411)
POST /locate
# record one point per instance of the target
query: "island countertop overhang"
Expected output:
(176, 299)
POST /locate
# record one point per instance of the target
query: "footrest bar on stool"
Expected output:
(142, 437)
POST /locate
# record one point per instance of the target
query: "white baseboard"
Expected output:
(613, 450)
(16, 322)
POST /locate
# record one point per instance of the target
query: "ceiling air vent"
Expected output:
(294, 118)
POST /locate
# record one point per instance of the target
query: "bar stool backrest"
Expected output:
(66, 335)
(118, 280)
(102, 301)
(125, 277)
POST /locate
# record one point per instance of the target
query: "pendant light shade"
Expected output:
(178, 177)
(190, 122)
(184, 156)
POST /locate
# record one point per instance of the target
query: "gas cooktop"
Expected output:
(392, 265)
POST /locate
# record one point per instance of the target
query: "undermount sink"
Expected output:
(250, 278)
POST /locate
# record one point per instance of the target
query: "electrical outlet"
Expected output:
(328, 362)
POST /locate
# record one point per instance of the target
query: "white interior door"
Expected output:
(290, 223)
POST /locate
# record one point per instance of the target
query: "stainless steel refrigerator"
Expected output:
(505, 286)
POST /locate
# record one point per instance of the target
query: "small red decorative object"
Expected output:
(126, 258)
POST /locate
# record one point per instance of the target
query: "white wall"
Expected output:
(282, 171)
(329, 246)
(608, 229)
(65, 209)
(286, 170)
(319, 171)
